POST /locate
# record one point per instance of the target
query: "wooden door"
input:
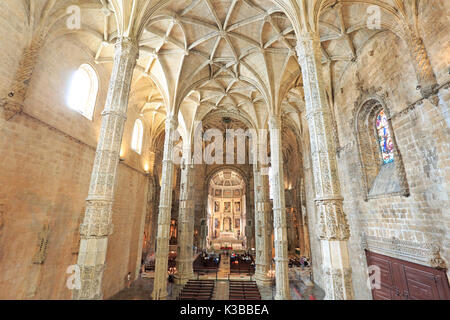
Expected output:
(403, 280)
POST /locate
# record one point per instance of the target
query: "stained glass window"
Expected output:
(384, 138)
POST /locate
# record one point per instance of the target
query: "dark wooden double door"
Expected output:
(403, 280)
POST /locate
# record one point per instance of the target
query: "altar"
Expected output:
(226, 220)
(227, 240)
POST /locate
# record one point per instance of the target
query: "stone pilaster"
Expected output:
(165, 208)
(426, 79)
(262, 224)
(152, 161)
(185, 270)
(97, 223)
(279, 212)
(333, 226)
(14, 102)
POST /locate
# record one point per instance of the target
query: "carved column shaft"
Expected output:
(279, 212)
(307, 245)
(164, 216)
(333, 227)
(154, 207)
(149, 217)
(14, 102)
(186, 222)
(152, 161)
(262, 225)
(150, 223)
(154, 220)
(292, 233)
(97, 223)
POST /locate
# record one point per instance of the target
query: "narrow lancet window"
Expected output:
(385, 138)
(83, 91)
(138, 132)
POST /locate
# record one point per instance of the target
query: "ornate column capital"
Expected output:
(127, 47)
(333, 224)
(171, 122)
(307, 43)
(274, 122)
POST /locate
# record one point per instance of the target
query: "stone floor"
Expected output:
(301, 289)
(221, 290)
(141, 289)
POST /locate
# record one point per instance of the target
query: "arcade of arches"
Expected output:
(347, 101)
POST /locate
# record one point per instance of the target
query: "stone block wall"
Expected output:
(46, 156)
(384, 69)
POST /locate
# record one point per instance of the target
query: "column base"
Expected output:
(162, 295)
(262, 279)
(183, 278)
(282, 297)
(76, 295)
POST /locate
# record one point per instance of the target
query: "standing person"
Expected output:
(129, 280)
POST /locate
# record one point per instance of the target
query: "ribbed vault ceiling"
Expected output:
(238, 55)
(204, 56)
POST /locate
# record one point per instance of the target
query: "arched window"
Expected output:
(384, 138)
(381, 164)
(83, 91)
(138, 133)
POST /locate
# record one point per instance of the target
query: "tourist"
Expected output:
(306, 262)
(129, 280)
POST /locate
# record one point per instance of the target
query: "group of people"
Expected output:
(208, 257)
(303, 262)
(242, 258)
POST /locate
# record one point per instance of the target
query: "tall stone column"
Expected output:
(262, 225)
(279, 212)
(203, 235)
(150, 225)
(270, 235)
(306, 251)
(14, 102)
(157, 191)
(186, 222)
(150, 221)
(300, 232)
(292, 233)
(334, 229)
(97, 223)
(165, 208)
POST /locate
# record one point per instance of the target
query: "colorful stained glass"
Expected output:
(384, 138)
